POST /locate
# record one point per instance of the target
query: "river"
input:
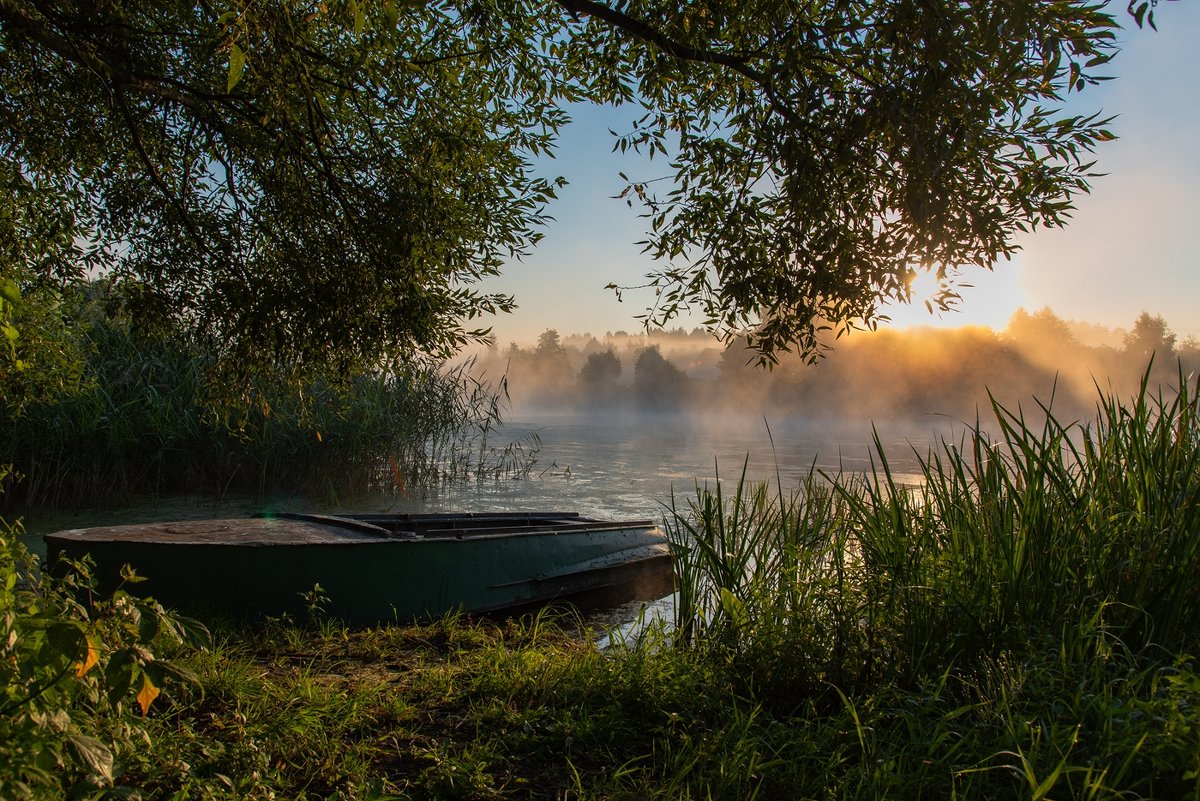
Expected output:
(612, 466)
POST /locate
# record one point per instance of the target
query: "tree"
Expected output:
(1150, 338)
(657, 382)
(600, 372)
(326, 183)
(1043, 329)
(1189, 354)
(293, 186)
(549, 345)
(1046, 338)
(847, 145)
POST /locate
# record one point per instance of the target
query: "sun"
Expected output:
(923, 286)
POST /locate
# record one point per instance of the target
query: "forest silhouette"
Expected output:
(883, 375)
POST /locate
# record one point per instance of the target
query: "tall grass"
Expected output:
(1039, 533)
(140, 422)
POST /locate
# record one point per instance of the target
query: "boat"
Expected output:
(379, 568)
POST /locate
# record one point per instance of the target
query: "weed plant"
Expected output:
(74, 667)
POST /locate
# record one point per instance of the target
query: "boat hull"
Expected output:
(230, 568)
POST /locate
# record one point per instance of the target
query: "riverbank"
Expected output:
(1022, 623)
(528, 710)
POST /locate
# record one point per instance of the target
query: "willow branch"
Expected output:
(653, 36)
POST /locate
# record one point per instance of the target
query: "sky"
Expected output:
(1130, 247)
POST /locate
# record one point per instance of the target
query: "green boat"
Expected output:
(376, 568)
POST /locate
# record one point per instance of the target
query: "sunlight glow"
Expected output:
(923, 285)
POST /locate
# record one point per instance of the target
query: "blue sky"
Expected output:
(1131, 247)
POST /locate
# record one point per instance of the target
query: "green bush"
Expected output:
(77, 675)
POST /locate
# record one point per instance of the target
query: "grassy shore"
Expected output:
(1025, 624)
(528, 710)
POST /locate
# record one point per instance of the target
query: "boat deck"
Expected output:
(302, 529)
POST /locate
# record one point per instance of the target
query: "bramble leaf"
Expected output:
(90, 660)
(147, 694)
(95, 755)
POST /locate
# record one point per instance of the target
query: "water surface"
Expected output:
(610, 466)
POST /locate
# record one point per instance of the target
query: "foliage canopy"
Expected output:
(326, 183)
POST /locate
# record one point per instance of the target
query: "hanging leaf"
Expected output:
(1139, 13)
(237, 63)
(147, 694)
(90, 661)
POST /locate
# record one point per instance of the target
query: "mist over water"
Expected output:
(627, 421)
(623, 465)
(885, 376)
(617, 427)
(630, 465)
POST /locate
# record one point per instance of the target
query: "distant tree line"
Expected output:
(881, 375)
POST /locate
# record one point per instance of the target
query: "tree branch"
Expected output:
(651, 35)
(155, 178)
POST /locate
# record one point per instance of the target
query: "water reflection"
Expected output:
(603, 466)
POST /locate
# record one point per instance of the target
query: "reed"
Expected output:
(141, 422)
(1010, 538)
(763, 574)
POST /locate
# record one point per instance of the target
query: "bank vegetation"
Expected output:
(1023, 625)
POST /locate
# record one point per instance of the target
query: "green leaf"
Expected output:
(734, 608)
(10, 291)
(161, 672)
(391, 13)
(119, 673)
(148, 626)
(1048, 783)
(66, 639)
(358, 15)
(129, 575)
(237, 63)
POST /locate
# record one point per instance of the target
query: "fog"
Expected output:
(901, 381)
